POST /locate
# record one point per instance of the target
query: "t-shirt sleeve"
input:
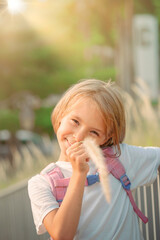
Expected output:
(141, 164)
(42, 200)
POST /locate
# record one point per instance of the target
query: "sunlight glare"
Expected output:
(15, 6)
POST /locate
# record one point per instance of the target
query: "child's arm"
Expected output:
(62, 223)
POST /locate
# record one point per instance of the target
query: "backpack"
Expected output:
(59, 184)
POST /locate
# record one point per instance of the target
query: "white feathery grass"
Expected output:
(37, 154)
(143, 118)
(3, 172)
(97, 157)
(17, 158)
(28, 161)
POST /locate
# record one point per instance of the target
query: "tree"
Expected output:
(114, 21)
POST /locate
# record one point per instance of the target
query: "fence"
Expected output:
(148, 199)
(16, 222)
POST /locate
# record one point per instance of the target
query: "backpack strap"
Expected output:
(59, 184)
(116, 168)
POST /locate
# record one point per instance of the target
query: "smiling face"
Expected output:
(109, 101)
(83, 120)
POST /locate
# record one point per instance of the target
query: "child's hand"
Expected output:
(78, 157)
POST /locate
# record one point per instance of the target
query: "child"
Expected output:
(91, 108)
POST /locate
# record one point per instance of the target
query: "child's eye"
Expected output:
(95, 133)
(75, 121)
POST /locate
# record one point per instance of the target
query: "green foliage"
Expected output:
(143, 7)
(47, 58)
(106, 74)
(43, 120)
(43, 70)
(9, 120)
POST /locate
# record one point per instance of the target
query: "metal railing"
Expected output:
(16, 221)
(148, 200)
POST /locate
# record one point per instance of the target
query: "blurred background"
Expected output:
(47, 45)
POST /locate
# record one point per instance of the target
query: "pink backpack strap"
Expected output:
(116, 168)
(57, 183)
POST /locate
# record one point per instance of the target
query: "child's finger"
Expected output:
(75, 147)
(77, 153)
(75, 144)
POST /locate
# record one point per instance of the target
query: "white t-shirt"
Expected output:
(100, 220)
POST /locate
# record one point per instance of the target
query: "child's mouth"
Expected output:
(69, 142)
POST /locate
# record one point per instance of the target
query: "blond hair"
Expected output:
(108, 98)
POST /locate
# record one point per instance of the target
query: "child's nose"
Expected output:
(80, 135)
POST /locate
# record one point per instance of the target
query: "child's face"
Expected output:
(84, 120)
